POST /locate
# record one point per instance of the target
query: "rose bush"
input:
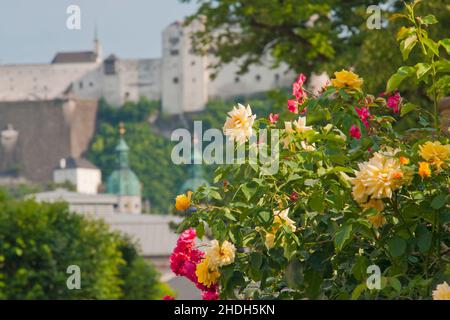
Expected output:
(351, 191)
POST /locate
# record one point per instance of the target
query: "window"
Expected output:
(91, 84)
(193, 63)
(80, 85)
(258, 77)
(174, 52)
(277, 77)
(127, 95)
(175, 80)
(110, 66)
(173, 41)
(236, 79)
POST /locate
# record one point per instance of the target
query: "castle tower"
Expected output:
(123, 182)
(184, 73)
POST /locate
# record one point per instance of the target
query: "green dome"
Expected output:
(123, 181)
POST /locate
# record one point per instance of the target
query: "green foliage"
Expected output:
(249, 28)
(129, 112)
(38, 242)
(278, 28)
(339, 231)
(140, 279)
(148, 150)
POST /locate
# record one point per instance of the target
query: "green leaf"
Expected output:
(438, 201)
(200, 230)
(215, 195)
(407, 45)
(230, 216)
(294, 274)
(358, 291)
(446, 44)
(422, 69)
(255, 265)
(313, 281)
(407, 108)
(404, 32)
(424, 238)
(342, 236)
(396, 246)
(433, 46)
(442, 66)
(397, 78)
(395, 283)
(316, 202)
(429, 19)
(264, 216)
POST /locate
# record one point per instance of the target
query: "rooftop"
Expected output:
(75, 57)
(62, 195)
(75, 163)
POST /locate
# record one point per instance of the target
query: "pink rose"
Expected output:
(273, 118)
(355, 132)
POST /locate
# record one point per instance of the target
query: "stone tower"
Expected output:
(123, 182)
(184, 73)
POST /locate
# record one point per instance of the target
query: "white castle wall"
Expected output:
(180, 79)
(259, 78)
(39, 81)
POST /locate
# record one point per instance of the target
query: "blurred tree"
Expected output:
(307, 35)
(38, 242)
(140, 280)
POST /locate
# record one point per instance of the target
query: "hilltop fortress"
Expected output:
(180, 79)
(48, 111)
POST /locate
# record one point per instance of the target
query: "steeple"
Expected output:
(123, 182)
(97, 46)
(122, 149)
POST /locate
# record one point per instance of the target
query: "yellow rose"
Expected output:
(424, 170)
(377, 220)
(377, 178)
(348, 79)
(435, 153)
(270, 240)
(377, 204)
(183, 201)
(220, 255)
(404, 160)
(239, 124)
(442, 292)
(206, 274)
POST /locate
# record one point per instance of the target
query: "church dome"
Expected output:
(123, 181)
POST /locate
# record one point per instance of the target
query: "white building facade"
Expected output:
(180, 79)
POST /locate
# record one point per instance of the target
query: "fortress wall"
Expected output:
(39, 81)
(47, 132)
(82, 126)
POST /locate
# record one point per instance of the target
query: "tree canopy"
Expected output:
(38, 242)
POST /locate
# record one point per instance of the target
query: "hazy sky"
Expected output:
(33, 30)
